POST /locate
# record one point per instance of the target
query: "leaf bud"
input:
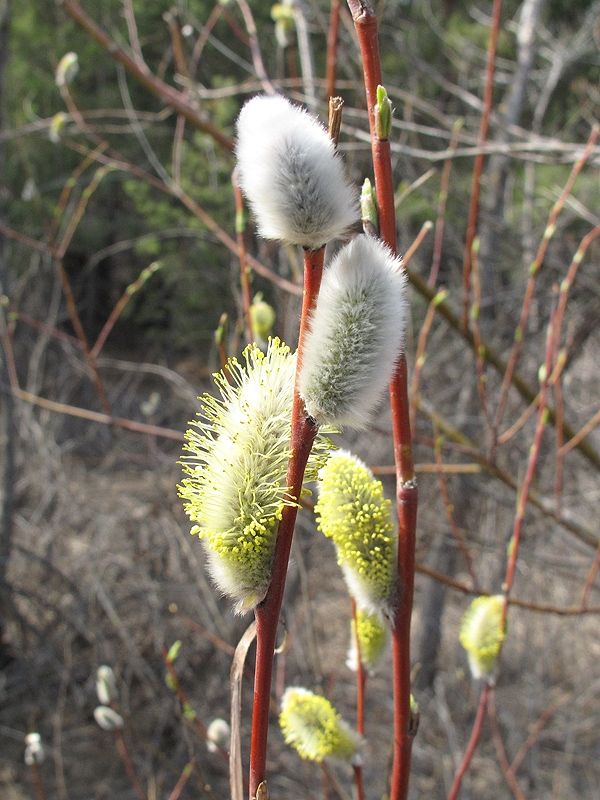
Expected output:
(106, 685)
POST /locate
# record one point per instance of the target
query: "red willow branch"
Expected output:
(406, 487)
(303, 432)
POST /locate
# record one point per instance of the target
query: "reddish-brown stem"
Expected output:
(477, 339)
(127, 763)
(116, 312)
(37, 782)
(533, 735)
(183, 779)
(425, 228)
(531, 465)
(204, 34)
(332, 41)
(70, 300)
(472, 746)
(478, 167)
(303, 432)
(406, 487)
(500, 752)
(244, 277)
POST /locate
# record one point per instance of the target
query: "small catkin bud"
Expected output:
(67, 68)
(106, 685)
(313, 727)
(355, 335)
(57, 123)
(383, 114)
(481, 634)
(262, 318)
(353, 511)
(373, 635)
(236, 485)
(34, 749)
(218, 736)
(368, 208)
(108, 719)
(291, 174)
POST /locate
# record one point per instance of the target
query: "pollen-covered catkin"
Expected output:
(482, 634)
(313, 727)
(291, 174)
(372, 633)
(354, 512)
(236, 462)
(355, 334)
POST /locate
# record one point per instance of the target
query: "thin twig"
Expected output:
(500, 752)
(478, 166)
(473, 742)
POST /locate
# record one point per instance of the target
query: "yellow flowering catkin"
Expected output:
(373, 634)
(481, 634)
(313, 727)
(236, 461)
(353, 511)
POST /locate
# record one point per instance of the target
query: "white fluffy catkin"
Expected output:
(356, 333)
(291, 174)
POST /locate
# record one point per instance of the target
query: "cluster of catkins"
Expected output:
(237, 450)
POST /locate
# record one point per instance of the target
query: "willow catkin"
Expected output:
(291, 174)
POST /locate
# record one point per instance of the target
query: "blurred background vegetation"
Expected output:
(95, 562)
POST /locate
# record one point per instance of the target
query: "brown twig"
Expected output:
(443, 198)
(420, 355)
(117, 310)
(166, 93)
(478, 166)
(531, 465)
(425, 228)
(448, 508)
(473, 742)
(533, 271)
(128, 764)
(240, 227)
(500, 752)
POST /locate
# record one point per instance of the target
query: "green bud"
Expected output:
(174, 651)
(368, 206)
(383, 114)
